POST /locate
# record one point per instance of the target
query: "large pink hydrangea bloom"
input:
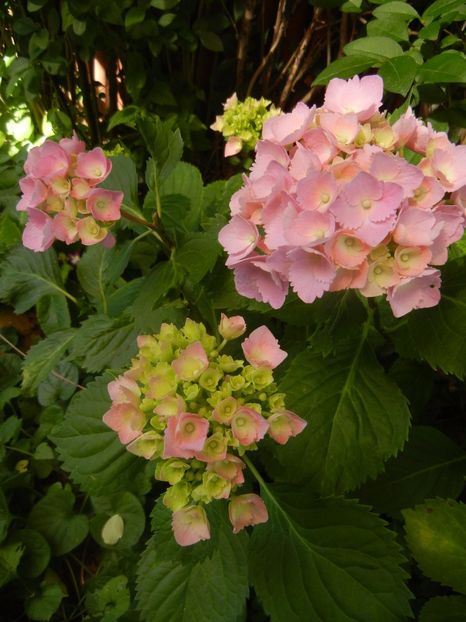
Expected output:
(331, 203)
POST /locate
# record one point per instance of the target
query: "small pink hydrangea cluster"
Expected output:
(331, 203)
(61, 197)
(196, 411)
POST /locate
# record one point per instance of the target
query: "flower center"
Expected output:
(349, 242)
(378, 270)
(404, 257)
(189, 428)
(240, 421)
(366, 204)
(325, 197)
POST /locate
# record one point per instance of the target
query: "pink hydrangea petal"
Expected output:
(419, 292)
(415, 227)
(261, 349)
(287, 128)
(255, 278)
(343, 127)
(191, 362)
(311, 274)
(64, 228)
(317, 191)
(239, 237)
(233, 146)
(267, 152)
(246, 510)
(361, 96)
(104, 204)
(38, 233)
(310, 229)
(190, 525)
(93, 165)
(125, 419)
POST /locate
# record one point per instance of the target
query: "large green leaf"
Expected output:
(205, 582)
(357, 417)
(398, 74)
(376, 48)
(444, 9)
(27, 276)
(128, 508)
(55, 518)
(123, 178)
(104, 342)
(164, 144)
(396, 8)
(44, 356)
(53, 314)
(326, 560)
(430, 465)
(90, 451)
(198, 255)
(447, 66)
(346, 67)
(439, 334)
(10, 555)
(185, 180)
(98, 268)
(435, 533)
(444, 609)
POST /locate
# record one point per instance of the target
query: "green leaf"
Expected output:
(443, 9)
(123, 178)
(128, 507)
(164, 145)
(164, 5)
(134, 17)
(5, 516)
(58, 388)
(100, 267)
(207, 581)
(394, 27)
(156, 284)
(36, 556)
(398, 74)
(10, 555)
(53, 314)
(198, 255)
(376, 48)
(185, 179)
(439, 334)
(357, 417)
(10, 233)
(104, 342)
(44, 356)
(211, 41)
(41, 606)
(91, 452)
(435, 534)
(109, 602)
(346, 67)
(430, 465)
(396, 8)
(27, 276)
(328, 559)
(127, 116)
(55, 518)
(444, 609)
(449, 66)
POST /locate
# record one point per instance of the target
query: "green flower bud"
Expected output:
(210, 379)
(215, 448)
(158, 423)
(261, 378)
(228, 364)
(161, 381)
(225, 410)
(236, 383)
(171, 471)
(177, 496)
(190, 391)
(277, 401)
(215, 486)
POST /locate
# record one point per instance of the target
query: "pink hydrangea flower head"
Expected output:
(190, 525)
(419, 292)
(191, 362)
(246, 510)
(284, 424)
(231, 327)
(93, 166)
(360, 96)
(287, 128)
(248, 426)
(261, 349)
(38, 233)
(104, 205)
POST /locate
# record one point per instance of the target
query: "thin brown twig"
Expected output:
(278, 31)
(243, 41)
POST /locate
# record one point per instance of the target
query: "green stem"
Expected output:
(255, 472)
(129, 215)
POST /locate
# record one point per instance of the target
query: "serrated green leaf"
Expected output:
(10, 555)
(185, 180)
(346, 67)
(198, 255)
(430, 465)
(10, 233)
(439, 334)
(123, 298)
(156, 284)
(104, 342)
(91, 451)
(376, 48)
(55, 518)
(357, 417)
(164, 144)
(110, 601)
(449, 66)
(398, 74)
(326, 560)
(124, 178)
(435, 534)
(42, 605)
(127, 116)
(27, 276)
(207, 581)
(125, 505)
(394, 27)
(53, 314)
(398, 8)
(100, 267)
(36, 554)
(44, 356)
(60, 387)
(444, 609)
